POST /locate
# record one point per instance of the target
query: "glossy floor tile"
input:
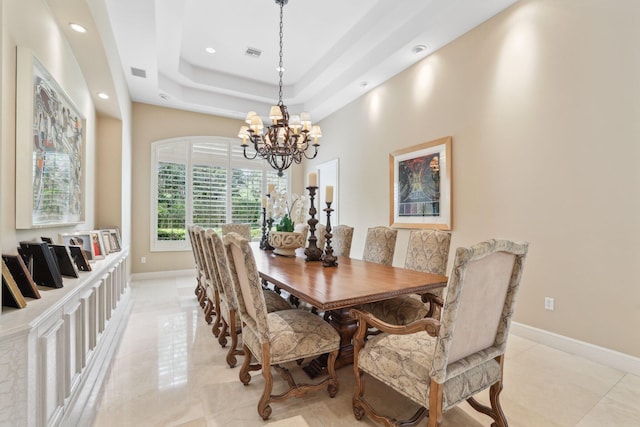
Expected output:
(170, 371)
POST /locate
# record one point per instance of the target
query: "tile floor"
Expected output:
(170, 371)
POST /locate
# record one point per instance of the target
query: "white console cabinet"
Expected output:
(55, 352)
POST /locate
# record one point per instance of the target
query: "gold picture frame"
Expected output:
(420, 186)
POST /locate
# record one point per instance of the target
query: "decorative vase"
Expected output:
(286, 242)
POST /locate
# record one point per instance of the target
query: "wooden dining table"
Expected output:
(335, 290)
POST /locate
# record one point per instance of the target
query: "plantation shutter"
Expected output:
(171, 200)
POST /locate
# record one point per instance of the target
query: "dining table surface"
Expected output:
(351, 283)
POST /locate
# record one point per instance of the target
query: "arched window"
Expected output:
(204, 181)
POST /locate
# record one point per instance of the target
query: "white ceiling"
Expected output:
(330, 48)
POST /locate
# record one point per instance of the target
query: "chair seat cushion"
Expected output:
(294, 334)
(399, 310)
(404, 363)
(274, 301)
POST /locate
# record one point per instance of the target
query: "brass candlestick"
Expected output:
(328, 259)
(312, 252)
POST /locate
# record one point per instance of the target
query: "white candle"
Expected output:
(328, 197)
(313, 179)
(271, 188)
(264, 201)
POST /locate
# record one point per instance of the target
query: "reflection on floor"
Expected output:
(170, 371)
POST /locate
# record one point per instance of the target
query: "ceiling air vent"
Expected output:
(139, 72)
(253, 52)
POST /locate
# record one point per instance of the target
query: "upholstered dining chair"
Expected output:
(427, 251)
(439, 363)
(227, 320)
(205, 280)
(242, 229)
(199, 272)
(380, 245)
(274, 339)
(341, 240)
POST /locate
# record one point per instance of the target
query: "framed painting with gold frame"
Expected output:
(420, 186)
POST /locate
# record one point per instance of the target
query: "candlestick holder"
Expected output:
(266, 229)
(328, 259)
(313, 252)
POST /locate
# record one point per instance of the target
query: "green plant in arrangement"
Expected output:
(288, 216)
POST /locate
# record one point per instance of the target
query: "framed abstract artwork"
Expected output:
(420, 186)
(50, 147)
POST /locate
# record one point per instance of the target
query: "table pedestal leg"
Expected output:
(346, 327)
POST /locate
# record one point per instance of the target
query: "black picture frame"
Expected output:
(42, 264)
(79, 256)
(21, 275)
(65, 262)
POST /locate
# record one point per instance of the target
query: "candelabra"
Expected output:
(328, 259)
(312, 252)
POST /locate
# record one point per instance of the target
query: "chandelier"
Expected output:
(288, 138)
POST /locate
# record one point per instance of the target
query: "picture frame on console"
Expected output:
(82, 238)
(420, 186)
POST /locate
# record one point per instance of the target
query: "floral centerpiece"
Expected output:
(284, 240)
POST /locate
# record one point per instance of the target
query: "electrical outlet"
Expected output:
(548, 303)
(144, 259)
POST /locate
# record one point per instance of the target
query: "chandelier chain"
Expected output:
(281, 67)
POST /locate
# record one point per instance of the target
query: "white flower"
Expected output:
(278, 206)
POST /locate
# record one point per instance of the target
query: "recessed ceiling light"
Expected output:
(210, 50)
(78, 28)
(103, 95)
(419, 49)
(278, 69)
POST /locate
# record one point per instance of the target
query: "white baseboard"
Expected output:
(602, 355)
(163, 274)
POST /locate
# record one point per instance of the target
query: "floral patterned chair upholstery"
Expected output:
(242, 229)
(428, 251)
(227, 313)
(279, 337)
(439, 363)
(380, 245)
(341, 240)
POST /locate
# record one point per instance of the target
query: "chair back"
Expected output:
(242, 229)
(246, 285)
(220, 267)
(380, 245)
(341, 241)
(198, 238)
(479, 306)
(428, 251)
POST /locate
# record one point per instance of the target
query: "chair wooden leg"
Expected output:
(332, 386)
(222, 337)
(495, 411)
(264, 409)
(244, 376)
(233, 349)
(435, 404)
(208, 310)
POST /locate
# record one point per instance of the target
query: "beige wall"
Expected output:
(542, 102)
(30, 23)
(109, 174)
